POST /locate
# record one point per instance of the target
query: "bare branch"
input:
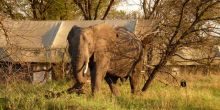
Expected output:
(199, 60)
(97, 9)
(79, 4)
(108, 9)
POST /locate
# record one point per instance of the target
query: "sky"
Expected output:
(130, 5)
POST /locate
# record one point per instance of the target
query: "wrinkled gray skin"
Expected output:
(98, 50)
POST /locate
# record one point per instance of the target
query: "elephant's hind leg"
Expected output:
(111, 80)
(135, 81)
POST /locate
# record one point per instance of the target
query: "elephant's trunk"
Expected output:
(80, 64)
(80, 70)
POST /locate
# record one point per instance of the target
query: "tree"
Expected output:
(62, 10)
(39, 8)
(10, 9)
(183, 23)
(150, 11)
(91, 9)
(150, 8)
(58, 9)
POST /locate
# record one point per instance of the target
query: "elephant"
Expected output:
(106, 53)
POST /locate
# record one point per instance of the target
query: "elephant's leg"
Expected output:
(77, 87)
(111, 80)
(101, 66)
(97, 79)
(135, 81)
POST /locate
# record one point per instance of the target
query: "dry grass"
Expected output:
(202, 92)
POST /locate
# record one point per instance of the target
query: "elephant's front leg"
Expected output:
(101, 66)
(77, 87)
(80, 80)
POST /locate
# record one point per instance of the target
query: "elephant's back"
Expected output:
(104, 30)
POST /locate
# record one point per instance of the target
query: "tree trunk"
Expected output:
(157, 68)
(108, 9)
(145, 8)
(34, 10)
(97, 9)
(153, 74)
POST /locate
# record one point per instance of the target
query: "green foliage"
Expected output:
(95, 9)
(10, 8)
(62, 10)
(53, 9)
(202, 93)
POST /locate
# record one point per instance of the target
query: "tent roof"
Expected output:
(49, 34)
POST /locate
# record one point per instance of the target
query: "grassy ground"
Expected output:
(202, 92)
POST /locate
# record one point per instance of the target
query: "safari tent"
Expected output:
(40, 43)
(45, 41)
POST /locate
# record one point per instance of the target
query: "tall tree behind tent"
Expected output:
(95, 9)
(51, 10)
(59, 9)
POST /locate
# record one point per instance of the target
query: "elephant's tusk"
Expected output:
(86, 68)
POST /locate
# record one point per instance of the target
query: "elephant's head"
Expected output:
(87, 43)
(81, 47)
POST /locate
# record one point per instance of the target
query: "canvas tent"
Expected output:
(44, 41)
